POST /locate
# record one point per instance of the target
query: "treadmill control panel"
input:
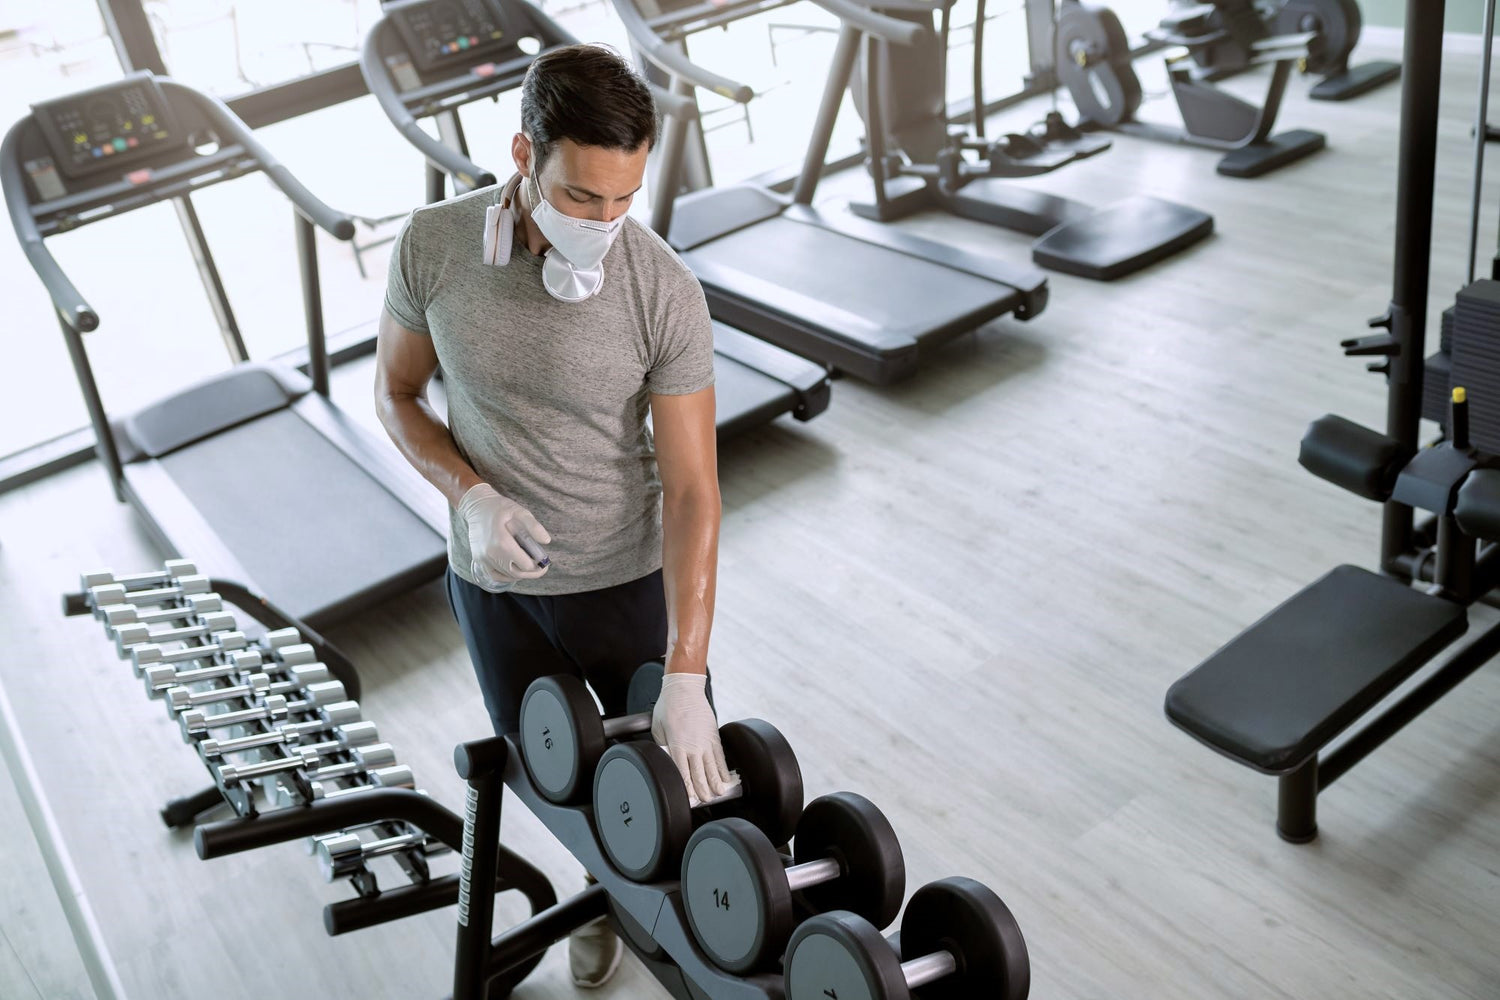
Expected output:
(109, 128)
(444, 33)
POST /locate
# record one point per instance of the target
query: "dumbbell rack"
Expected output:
(404, 823)
(649, 917)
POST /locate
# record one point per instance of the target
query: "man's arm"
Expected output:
(404, 363)
(687, 457)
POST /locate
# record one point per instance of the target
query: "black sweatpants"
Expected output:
(600, 636)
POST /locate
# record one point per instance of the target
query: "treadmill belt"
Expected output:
(310, 526)
(900, 297)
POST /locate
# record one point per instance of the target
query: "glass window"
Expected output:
(46, 49)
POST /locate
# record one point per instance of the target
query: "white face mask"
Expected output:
(573, 269)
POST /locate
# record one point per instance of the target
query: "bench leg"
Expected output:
(1297, 803)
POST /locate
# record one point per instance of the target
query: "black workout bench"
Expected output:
(1278, 694)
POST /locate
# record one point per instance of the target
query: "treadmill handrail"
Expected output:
(672, 60)
(441, 156)
(70, 304)
(887, 29)
(337, 224)
(916, 6)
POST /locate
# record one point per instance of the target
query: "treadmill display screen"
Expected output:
(444, 33)
(108, 128)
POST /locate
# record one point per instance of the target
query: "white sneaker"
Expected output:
(594, 954)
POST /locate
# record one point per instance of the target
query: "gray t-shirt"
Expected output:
(547, 400)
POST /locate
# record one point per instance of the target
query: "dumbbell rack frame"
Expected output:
(656, 909)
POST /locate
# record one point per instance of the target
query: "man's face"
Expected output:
(586, 182)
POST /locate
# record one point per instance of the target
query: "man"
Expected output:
(559, 322)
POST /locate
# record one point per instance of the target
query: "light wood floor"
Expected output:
(963, 596)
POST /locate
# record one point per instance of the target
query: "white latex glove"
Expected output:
(683, 721)
(494, 520)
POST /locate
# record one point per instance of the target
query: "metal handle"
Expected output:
(70, 305)
(887, 29)
(672, 61)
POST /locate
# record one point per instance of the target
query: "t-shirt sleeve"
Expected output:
(683, 360)
(404, 298)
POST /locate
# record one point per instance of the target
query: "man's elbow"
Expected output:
(696, 499)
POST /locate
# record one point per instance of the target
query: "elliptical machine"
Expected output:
(1336, 25)
(1094, 63)
(917, 163)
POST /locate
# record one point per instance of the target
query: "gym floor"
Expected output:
(963, 596)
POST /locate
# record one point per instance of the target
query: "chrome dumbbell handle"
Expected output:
(172, 569)
(205, 627)
(237, 774)
(160, 676)
(180, 698)
(344, 854)
(357, 734)
(148, 653)
(193, 605)
(399, 776)
(196, 722)
(102, 597)
(367, 760)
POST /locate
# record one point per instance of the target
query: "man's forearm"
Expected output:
(690, 563)
(427, 444)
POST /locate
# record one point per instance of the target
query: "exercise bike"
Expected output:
(1094, 63)
(916, 162)
(1336, 24)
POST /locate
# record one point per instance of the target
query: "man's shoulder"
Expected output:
(651, 251)
(452, 213)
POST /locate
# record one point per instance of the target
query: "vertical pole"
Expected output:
(669, 170)
(1041, 40)
(312, 304)
(104, 435)
(480, 764)
(1297, 798)
(828, 112)
(978, 113)
(1423, 59)
(1481, 116)
(208, 271)
(437, 185)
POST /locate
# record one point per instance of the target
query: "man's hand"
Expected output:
(494, 520)
(684, 722)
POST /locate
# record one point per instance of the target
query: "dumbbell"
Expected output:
(178, 699)
(172, 570)
(118, 615)
(225, 642)
(963, 940)
(162, 676)
(739, 896)
(397, 776)
(356, 734)
(256, 685)
(231, 775)
(563, 736)
(137, 634)
(102, 597)
(326, 699)
(644, 815)
(344, 854)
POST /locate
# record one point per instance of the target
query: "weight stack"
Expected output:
(1476, 360)
(1437, 381)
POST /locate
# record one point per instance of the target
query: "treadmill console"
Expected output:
(445, 33)
(109, 127)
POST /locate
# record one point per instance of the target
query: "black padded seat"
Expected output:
(1290, 683)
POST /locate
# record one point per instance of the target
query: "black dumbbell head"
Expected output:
(966, 918)
(849, 827)
(734, 889)
(562, 737)
(641, 810)
(645, 688)
(770, 775)
(842, 955)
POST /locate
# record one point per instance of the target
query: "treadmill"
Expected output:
(866, 298)
(428, 58)
(253, 472)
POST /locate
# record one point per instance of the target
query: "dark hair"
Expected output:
(589, 94)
